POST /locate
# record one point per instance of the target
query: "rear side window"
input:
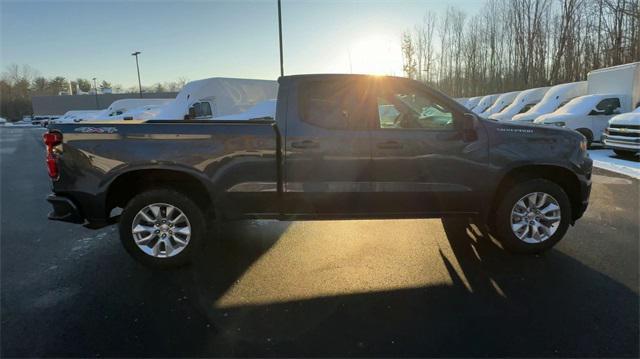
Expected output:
(608, 106)
(202, 109)
(332, 104)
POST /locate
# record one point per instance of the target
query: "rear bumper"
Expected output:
(64, 210)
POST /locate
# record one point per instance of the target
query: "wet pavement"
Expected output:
(320, 288)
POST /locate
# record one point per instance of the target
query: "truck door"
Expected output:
(421, 161)
(327, 146)
(600, 116)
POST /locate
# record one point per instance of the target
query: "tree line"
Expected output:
(19, 83)
(518, 44)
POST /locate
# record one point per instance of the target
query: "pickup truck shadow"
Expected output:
(496, 304)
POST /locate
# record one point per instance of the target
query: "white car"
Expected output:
(588, 114)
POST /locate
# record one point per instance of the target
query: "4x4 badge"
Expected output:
(96, 129)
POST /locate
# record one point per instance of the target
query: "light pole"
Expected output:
(280, 38)
(138, 68)
(95, 91)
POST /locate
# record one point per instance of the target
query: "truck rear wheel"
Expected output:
(532, 216)
(162, 228)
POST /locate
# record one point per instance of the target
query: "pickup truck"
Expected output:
(335, 150)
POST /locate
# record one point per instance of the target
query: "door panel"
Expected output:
(327, 148)
(420, 161)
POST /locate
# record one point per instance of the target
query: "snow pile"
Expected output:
(608, 160)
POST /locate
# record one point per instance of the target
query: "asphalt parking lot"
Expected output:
(333, 288)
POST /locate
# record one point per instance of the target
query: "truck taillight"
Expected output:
(52, 139)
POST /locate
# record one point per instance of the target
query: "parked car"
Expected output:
(472, 102)
(555, 98)
(612, 91)
(501, 102)
(328, 154)
(623, 133)
(521, 104)
(485, 103)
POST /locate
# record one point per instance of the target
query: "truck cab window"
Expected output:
(608, 106)
(410, 109)
(334, 105)
(202, 109)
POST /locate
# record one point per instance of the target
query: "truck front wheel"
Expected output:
(161, 228)
(532, 216)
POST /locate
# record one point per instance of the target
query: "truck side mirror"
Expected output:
(192, 113)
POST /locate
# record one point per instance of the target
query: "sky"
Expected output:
(201, 39)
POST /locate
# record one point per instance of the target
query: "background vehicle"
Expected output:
(218, 96)
(501, 102)
(521, 104)
(556, 97)
(485, 103)
(623, 133)
(42, 120)
(328, 154)
(120, 107)
(76, 116)
(472, 102)
(612, 91)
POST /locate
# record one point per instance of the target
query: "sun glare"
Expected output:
(376, 54)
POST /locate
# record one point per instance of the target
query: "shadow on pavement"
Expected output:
(497, 305)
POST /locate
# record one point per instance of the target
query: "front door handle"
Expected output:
(305, 144)
(389, 145)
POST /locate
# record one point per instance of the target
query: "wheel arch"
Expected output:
(562, 176)
(128, 184)
(587, 133)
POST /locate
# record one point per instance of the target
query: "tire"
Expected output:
(624, 153)
(176, 248)
(511, 202)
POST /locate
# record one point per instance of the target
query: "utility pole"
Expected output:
(138, 68)
(95, 89)
(280, 38)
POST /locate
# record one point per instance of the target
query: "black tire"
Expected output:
(624, 153)
(191, 210)
(502, 225)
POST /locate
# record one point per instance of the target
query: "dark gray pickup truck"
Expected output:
(340, 147)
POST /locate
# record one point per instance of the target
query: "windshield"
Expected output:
(580, 105)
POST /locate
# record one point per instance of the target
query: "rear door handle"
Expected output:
(305, 144)
(389, 145)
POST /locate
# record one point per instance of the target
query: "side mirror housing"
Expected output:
(192, 113)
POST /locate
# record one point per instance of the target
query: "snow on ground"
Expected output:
(608, 160)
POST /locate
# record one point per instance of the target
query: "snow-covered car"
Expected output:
(501, 102)
(612, 91)
(588, 114)
(556, 97)
(485, 103)
(521, 104)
